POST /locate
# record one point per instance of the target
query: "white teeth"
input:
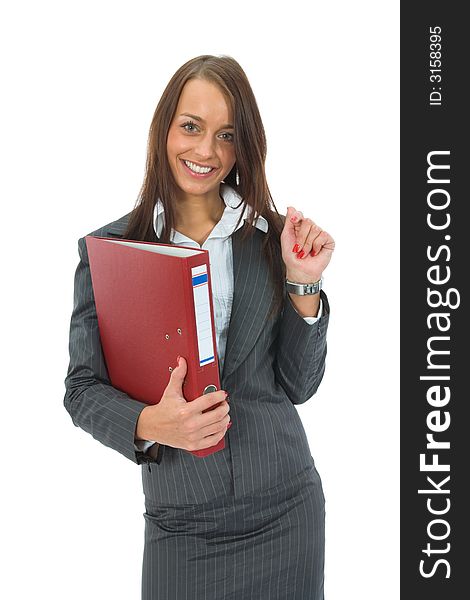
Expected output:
(197, 168)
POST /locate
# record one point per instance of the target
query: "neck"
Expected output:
(194, 212)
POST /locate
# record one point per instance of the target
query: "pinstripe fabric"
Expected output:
(271, 364)
(263, 547)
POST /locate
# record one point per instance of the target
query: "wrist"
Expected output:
(299, 277)
(143, 430)
(306, 306)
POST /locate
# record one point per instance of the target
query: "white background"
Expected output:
(80, 83)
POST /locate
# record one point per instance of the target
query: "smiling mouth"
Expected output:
(198, 169)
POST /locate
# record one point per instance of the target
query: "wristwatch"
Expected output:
(303, 289)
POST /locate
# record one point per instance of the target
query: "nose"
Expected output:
(205, 146)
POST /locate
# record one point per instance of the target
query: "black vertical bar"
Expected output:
(435, 269)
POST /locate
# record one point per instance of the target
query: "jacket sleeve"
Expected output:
(108, 414)
(301, 352)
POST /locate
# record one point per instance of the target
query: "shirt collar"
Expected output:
(226, 226)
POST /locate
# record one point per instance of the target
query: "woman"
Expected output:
(246, 521)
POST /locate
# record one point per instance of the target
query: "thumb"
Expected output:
(177, 376)
(289, 226)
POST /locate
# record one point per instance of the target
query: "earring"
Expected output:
(237, 177)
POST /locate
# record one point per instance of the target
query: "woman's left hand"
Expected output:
(306, 248)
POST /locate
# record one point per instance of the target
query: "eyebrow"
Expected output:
(196, 118)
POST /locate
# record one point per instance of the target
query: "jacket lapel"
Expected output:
(252, 296)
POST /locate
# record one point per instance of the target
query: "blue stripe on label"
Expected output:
(205, 360)
(200, 279)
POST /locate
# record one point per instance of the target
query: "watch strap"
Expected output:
(303, 289)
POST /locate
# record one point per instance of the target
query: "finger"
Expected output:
(177, 376)
(216, 424)
(294, 219)
(315, 237)
(210, 440)
(295, 216)
(213, 414)
(305, 237)
(289, 224)
(209, 401)
(325, 252)
(324, 241)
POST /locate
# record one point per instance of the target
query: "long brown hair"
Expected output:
(250, 152)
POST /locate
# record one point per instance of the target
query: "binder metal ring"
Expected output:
(209, 388)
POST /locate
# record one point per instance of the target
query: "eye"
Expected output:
(227, 137)
(189, 126)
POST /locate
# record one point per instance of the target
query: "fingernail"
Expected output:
(178, 360)
(229, 425)
(296, 248)
(300, 254)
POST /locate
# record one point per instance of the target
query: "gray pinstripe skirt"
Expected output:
(258, 547)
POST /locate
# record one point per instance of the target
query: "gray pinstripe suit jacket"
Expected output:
(270, 365)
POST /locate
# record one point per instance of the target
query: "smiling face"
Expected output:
(200, 139)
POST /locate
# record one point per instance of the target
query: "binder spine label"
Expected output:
(200, 282)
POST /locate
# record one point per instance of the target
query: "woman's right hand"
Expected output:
(181, 424)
